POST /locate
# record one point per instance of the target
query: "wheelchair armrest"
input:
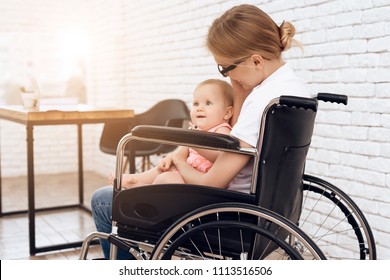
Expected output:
(186, 136)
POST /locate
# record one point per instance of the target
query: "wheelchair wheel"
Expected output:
(334, 222)
(234, 231)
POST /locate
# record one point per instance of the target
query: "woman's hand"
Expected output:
(239, 90)
(240, 94)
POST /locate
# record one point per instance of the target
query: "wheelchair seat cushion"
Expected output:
(150, 210)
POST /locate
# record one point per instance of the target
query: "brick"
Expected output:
(362, 5)
(378, 44)
(385, 120)
(329, 8)
(314, 167)
(311, 63)
(378, 75)
(365, 119)
(336, 61)
(365, 60)
(330, 157)
(387, 28)
(374, 194)
(354, 75)
(340, 33)
(335, 48)
(385, 150)
(380, 164)
(311, 155)
(379, 105)
(383, 224)
(370, 177)
(367, 206)
(342, 171)
(383, 246)
(382, 90)
(328, 130)
(349, 18)
(353, 160)
(325, 76)
(357, 104)
(376, 15)
(368, 31)
(379, 134)
(352, 46)
(334, 117)
(365, 148)
(380, 3)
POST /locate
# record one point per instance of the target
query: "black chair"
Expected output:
(201, 222)
(170, 112)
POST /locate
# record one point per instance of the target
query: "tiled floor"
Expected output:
(52, 227)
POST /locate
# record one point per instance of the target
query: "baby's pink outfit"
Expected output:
(199, 162)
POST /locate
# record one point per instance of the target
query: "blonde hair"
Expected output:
(244, 30)
(225, 87)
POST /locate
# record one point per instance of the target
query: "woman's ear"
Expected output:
(229, 113)
(257, 60)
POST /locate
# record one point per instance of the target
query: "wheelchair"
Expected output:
(287, 214)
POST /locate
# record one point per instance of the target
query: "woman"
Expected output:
(247, 46)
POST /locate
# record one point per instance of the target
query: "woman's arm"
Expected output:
(224, 169)
(211, 155)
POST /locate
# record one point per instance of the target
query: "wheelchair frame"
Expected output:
(268, 234)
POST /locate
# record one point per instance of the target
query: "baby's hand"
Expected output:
(165, 163)
(111, 178)
(193, 126)
(181, 153)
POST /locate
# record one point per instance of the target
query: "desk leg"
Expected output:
(31, 188)
(80, 155)
(1, 191)
(131, 151)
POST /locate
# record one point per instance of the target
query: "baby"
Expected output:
(212, 109)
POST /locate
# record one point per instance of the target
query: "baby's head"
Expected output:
(212, 104)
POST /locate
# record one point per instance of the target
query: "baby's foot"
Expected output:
(132, 183)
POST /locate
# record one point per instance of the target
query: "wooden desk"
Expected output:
(55, 115)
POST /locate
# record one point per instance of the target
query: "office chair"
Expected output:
(170, 112)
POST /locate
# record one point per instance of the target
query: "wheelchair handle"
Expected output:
(332, 97)
(299, 102)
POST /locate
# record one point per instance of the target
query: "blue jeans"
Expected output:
(101, 205)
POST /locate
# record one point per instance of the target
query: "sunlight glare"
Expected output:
(74, 51)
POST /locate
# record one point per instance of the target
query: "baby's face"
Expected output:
(209, 107)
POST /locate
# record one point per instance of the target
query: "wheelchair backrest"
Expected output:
(285, 136)
(284, 141)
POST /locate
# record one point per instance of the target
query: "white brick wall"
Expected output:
(145, 51)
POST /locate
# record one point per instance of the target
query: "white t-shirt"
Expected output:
(282, 82)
